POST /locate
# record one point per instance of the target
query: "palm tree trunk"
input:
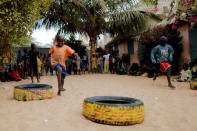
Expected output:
(93, 45)
(92, 48)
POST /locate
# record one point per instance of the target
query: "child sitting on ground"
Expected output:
(185, 74)
(134, 69)
(121, 69)
(193, 67)
(15, 74)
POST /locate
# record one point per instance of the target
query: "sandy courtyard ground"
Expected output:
(166, 109)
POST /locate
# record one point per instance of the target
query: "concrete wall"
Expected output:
(135, 57)
(123, 48)
(186, 43)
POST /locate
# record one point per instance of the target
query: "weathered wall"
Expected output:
(185, 55)
(135, 57)
(123, 48)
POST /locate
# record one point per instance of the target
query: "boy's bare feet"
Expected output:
(171, 86)
(62, 89)
(59, 93)
(154, 77)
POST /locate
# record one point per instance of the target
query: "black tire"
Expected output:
(30, 92)
(114, 110)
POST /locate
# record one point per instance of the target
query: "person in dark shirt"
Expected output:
(33, 54)
(25, 57)
(20, 64)
(48, 65)
(19, 58)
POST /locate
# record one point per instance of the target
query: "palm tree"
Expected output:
(94, 17)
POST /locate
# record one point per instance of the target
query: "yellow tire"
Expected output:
(33, 92)
(193, 85)
(119, 111)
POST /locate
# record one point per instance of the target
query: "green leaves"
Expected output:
(94, 17)
(17, 17)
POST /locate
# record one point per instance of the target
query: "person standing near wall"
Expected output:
(94, 63)
(78, 62)
(85, 63)
(25, 58)
(106, 63)
(100, 64)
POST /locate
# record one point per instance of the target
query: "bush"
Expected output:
(76, 45)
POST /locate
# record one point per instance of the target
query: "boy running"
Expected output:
(161, 56)
(59, 54)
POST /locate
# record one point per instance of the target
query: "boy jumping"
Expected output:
(59, 54)
(161, 56)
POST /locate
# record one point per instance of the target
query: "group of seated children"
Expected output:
(134, 69)
(188, 72)
(121, 69)
(15, 74)
(18, 73)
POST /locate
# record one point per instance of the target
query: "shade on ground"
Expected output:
(166, 109)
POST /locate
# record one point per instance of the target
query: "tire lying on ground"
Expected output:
(33, 92)
(193, 84)
(120, 111)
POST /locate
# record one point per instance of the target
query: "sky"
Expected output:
(44, 37)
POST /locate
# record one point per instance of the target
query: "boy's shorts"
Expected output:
(164, 66)
(63, 71)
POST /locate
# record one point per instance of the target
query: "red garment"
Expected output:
(164, 66)
(1, 68)
(15, 75)
(110, 59)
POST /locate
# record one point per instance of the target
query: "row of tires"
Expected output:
(41, 91)
(119, 111)
(104, 109)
